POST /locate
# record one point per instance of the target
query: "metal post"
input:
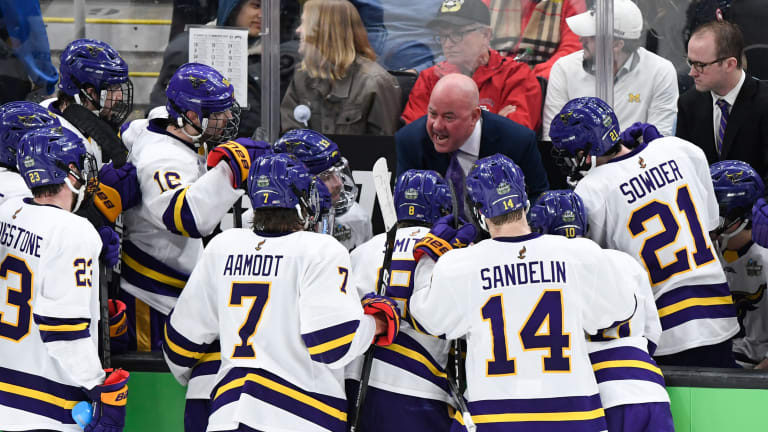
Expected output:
(604, 50)
(270, 69)
(79, 16)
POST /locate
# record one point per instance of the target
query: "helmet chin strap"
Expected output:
(195, 138)
(590, 164)
(92, 101)
(79, 192)
(723, 240)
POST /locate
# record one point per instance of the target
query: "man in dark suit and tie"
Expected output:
(727, 113)
(456, 132)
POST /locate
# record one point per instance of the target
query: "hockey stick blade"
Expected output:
(384, 193)
(387, 206)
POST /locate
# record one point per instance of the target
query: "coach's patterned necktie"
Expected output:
(723, 104)
(455, 174)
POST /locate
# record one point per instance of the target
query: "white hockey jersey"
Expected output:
(12, 185)
(524, 304)
(91, 146)
(414, 364)
(49, 280)
(354, 227)
(747, 279)
(181, 202)
(624, 369)
(657, 204)
(288, 319)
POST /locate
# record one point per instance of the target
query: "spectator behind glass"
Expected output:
(507, 87)
(534, 31)
(234, 13)
(25, 59)
(339, 82)
(645, 84)
(397, 31)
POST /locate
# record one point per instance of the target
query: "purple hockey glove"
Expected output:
(109, 400)
(110, 246)
(444, 237)
(239, 154)
(760, 222)
(639, 133)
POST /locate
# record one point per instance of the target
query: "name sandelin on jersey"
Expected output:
(414, 364)
(298, 290)
(49, 269)
(542, 291)
(747, 281)
(657, 192)
(624, 369)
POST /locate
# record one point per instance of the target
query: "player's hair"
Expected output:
(67, 99)
(275, 220)
(513, 216)
(47, 190)
(729, 41)
(334, 35)
(411, 223)
(631, 45)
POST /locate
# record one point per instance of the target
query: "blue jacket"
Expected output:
(498, 135)
(23, 21)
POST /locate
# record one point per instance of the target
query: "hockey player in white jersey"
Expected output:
(407, 377)
(656, 203)
(352, 225)
(283, 304)
(501, 291)
(737, 187)
(182, 201)
(631, 385)
(49, 334)
(16, 119)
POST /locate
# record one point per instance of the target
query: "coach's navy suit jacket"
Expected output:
(498, 135)
(746, 133)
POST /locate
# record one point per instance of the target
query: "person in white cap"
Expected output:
(645, 84)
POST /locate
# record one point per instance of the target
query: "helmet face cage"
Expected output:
(89, 63)
(16, 119)
(203, 90)
(341, 185)
(737, 186)
(585, 127)
(495, 186)
(559, 212)
(422, 195)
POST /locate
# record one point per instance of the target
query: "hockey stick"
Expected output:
(387, 206)
(455, 384)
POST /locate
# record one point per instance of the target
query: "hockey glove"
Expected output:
(386, 308)
(118, 327)
(639, 133)
(443, 237)
(110, 246)
(238, 154)
(760, 222)
(118, 190)
(109, 401)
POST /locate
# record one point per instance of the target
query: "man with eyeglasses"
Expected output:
(507, 87)
(727, 113)
(644, 86)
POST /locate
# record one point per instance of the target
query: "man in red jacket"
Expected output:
(507, 87)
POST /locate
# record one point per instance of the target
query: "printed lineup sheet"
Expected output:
(226, 50)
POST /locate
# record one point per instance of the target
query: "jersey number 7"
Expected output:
(259, 291)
